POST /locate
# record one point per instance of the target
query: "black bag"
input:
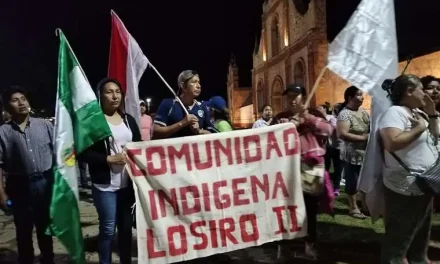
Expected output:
(428, 181)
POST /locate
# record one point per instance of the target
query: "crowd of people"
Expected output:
(330, 137)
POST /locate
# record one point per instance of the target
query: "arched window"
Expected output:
(277, 95)
(299, 74)
(260, 95)
(275, 36)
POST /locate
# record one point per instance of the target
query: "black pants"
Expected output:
(311, 203)
(30, 198)
(332, 155)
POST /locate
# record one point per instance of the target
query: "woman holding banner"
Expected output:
(171, 119)
(112, 189)
(313, 132)
(408, 137)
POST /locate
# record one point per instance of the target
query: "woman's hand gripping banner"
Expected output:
(203, 195)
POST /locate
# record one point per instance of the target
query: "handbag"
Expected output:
(428, 181)
(312, 177)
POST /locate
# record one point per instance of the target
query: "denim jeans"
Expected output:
(114, 210)
(30, 196)
(83, 173)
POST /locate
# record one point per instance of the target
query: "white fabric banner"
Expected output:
(365, 54)
(203, 195)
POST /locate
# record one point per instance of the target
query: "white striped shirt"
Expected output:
(261, 123)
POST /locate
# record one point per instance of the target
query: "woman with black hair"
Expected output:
(353, 126)
(408, 138)
(431, 86)
(112, 189)
(219, 114)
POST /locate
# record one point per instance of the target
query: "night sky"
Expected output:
(174, 35)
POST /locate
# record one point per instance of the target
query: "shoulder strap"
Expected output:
(400, 162)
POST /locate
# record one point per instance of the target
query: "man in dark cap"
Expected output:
(313, 130)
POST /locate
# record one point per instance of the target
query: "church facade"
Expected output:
(293, 49)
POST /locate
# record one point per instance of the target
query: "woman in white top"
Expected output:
(112, 189)
(266, 117)
(410, 134)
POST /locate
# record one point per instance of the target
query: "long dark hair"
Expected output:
(396, 88)
(349, 93)
(100, 88)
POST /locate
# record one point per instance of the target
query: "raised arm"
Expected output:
(322, 126)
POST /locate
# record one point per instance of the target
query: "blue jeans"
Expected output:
(83, 173)
(114, 209)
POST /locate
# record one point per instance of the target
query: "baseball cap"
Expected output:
(142, 102)
(217, 103)
(295, 88)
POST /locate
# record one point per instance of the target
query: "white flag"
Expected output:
(365, 54)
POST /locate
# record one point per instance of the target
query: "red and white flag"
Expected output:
(127, 64)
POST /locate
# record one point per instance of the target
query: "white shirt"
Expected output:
(119, 176)
(261, 123)
(418, 156)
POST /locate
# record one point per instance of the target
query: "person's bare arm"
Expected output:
(343, 128)
(166, 131)
(431, 115)
(395, 139)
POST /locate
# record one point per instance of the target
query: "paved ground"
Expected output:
(89, 220)
(352, 252)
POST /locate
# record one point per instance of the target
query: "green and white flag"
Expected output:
(79, 123)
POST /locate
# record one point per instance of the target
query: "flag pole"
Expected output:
(315, 86)
(169, 87)
(58, 32)
(408, 61)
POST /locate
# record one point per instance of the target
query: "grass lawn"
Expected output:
(344, 239)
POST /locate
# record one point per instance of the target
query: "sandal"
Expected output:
(357, 214)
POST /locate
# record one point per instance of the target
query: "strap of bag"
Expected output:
(400, 162)
(397, 158)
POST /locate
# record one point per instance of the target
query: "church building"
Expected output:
(293, 49)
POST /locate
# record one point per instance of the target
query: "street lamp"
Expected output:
(148, 104)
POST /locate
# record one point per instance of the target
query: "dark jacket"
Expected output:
(96, 155)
